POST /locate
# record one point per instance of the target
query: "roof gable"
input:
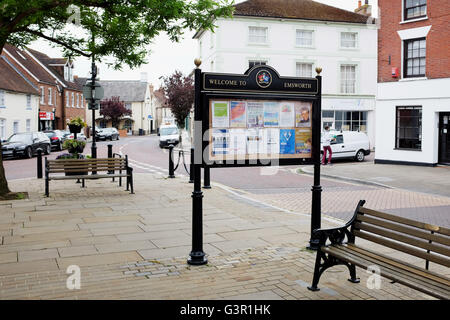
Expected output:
(12, 80)
(128, 91)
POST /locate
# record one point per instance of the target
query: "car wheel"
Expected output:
(360, 156)
(60, 147)
(28, 153)
(48, 149)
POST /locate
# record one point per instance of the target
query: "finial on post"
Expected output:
(198, 62)
(318, 70)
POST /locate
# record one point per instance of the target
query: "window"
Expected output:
(304, 70)
(128, 106)
(257, 35)
(73, 100)
(348, 40)
(2, 129)
(78, 100)
(81, 101)
(42, 95)
(16, 127)
(348, 79)
(415, 9)
(28, 124)
(2, 99)
(67, 100)
(66, 72)
(409, 128)
(304, 38)
(415, 58)
(253, 63)
(346, 120)
(50, 98)
(29, 101)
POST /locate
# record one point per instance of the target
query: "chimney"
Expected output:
(365, 9)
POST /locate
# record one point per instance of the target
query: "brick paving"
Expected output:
(136, 246)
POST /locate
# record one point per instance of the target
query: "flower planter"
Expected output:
(73, 128)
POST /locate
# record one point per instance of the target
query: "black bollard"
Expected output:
(206, 179)
(110, 155)
(171, 165)
(39, 163)
(191, 167)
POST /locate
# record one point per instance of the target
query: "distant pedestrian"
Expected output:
(326, 144)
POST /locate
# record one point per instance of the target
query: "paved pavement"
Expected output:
(135, 246)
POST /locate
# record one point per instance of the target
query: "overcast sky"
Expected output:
(164, 56)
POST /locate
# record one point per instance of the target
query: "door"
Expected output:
(444, 138)
(338, 146)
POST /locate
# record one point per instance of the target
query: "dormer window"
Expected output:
(68, 71)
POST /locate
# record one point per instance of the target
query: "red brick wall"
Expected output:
(73, 111)
(438, 39)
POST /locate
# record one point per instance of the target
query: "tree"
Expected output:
(180, 93)
(121, 28)
(113, 109)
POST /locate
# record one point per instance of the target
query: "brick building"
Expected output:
(413, 101)
(60, 96)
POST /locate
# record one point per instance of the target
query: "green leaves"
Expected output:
(122, 29)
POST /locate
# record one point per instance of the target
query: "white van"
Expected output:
(168, 134)
(349, 144)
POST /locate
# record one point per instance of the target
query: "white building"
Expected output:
(19, 101)
(342, 43)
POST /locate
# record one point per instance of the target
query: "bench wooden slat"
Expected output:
(398, 272)
(388, 273)
(401, 228)
(83, 169)
(406, 221)
(401, 264)
(95, 176)
(403, 238)
(401, 247)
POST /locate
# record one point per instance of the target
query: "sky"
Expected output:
(164, 56)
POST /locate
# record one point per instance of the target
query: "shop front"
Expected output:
(46, 121)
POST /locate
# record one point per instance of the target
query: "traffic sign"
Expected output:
(99, 92)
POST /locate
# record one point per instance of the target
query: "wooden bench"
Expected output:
(79, 169)
(425, 241)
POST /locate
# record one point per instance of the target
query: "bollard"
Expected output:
(206, 179)
(110, 155)
(171, 166)
(39, 163)
(191, 167)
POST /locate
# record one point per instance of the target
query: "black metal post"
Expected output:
(316, 188)
(110, 155)
(206, 178)
(171, 165)
(191, 167)
(39, 163)
(197, 256)
(92, 102)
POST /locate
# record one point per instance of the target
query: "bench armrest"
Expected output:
(337, 235)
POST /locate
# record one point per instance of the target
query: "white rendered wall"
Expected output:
(432, 95)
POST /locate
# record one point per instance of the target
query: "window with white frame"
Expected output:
(2, 129)
(73, 100)
(67, 100)
(28, 124)
(50, 96)
(257, 35)
(349, 39)
(304, 38)
(28, 101)
(415, 9)
(81, 101)
(2, 99)
(253, 63)
(16, 126)
(348, 78)
(78, 100)
(304, 70)
(42, 95)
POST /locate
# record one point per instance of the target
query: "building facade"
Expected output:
(295, 37)
(60, 97)
(413, 102)
(19, 101)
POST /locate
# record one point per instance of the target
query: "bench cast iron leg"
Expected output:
(353, 277)
(82, 184)
(130, 172)
(46, 187)
(317, 273)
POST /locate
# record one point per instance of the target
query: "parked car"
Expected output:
(168, 135)
(349, 144)
(80, 136)
(26, 145)
(107, 134)
(57, 138)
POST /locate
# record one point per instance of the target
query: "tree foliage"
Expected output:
(180, 93)
(113, 109)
